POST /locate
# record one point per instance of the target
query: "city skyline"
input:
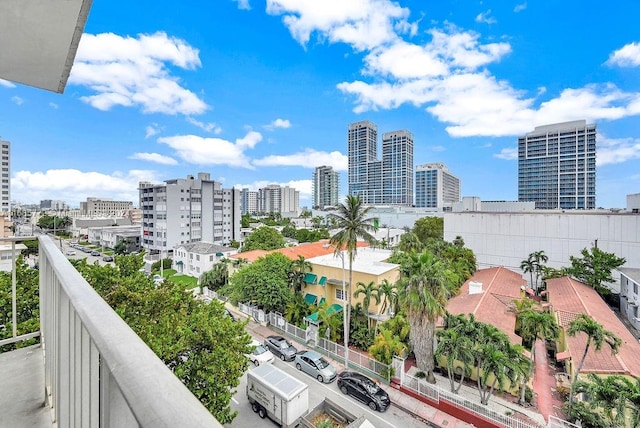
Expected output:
(259, 93)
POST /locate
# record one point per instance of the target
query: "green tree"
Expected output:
(534, 265)
(297, 309)
(370, 291)
(458, 242)
(427, 228)
(594, 268)
(352, 224)
(121, 247)
(455, 348)
(216, 277)
(409, 242)
(299, 269)
(263, 238)
(387, 345)
(388, 293)
(265, 281)
(597, 335)
(32, 247)
(533, 326)
(607, 395)
(195, 340)
(329, 320)
(423, 295)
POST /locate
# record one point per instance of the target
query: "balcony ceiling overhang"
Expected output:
(39, 40)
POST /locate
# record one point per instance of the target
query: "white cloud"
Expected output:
(364, 24)
(207, 127)
(243, 4)
(127, 71)
(154, 157)
(438, 149)
(520, 7)
(309, 158)
(54, 105)
(508, 153)
(151, 130)
(278, 123)
(486, 18)
(626, 56)
(613, 151)
(17, 100)
(73, 186)
(7, 84)
(213, 151)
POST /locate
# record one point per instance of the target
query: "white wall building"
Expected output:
(630, 295)
(199, 257)
(436, 187)
(104, 207)
(473, 203)
(326, 187)
(187, 210)
(505, 239)
(249, 204)
(5, 184)
(276, 199)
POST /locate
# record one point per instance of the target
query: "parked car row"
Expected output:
(87, 250)
(314, 364)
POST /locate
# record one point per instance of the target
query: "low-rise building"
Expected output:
(199, 257)
(630, 295)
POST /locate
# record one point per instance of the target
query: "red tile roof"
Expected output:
(500, 287)
(307, 250)
(569, 298)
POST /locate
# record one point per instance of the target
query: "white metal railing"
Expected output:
(556, 422)
(98, 372)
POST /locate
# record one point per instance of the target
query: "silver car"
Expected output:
(314, 364)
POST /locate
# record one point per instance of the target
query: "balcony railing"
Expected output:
(98, 372)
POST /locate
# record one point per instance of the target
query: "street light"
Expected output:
(344, 315)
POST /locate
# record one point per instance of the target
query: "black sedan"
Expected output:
(364, 389)
(281, 347)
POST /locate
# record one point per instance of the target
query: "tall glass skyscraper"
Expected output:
(380, 182)
(557, 166)
(436, 187)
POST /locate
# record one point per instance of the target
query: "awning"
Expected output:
(323, 280)
(310, 278)
(322, 301)
(563, 356)
(337, 282)
(310, 299)
(335, 308)
(219, 254)
(179, 262)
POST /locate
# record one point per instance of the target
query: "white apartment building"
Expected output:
(5, 185)
(630, 295)
(436, 187)
(110, 236)
(104, 207)
(397, 168)
(249, 203)
(187, 210)
(326, 187)
(276, 199)
(199, 257)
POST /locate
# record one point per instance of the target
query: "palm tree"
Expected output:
(370, 291)
(528, 266)
(455, 347)
(596, 335)
(386, 346)
(331, 321)
(609, 395)
(423, 294)
(352, 223)
(409, 242)
(533, 326)
(388, 293)
(299, 269)
(296, 310)
(492, 361)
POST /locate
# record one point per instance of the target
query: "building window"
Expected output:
(339, 294)
(635, 288)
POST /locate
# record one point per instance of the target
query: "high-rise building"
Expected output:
(365, 180)
(326, 187)
(397, 168)
(5, 197)
(557, 166)
(380, 182)
(436, 187)
(249, 203)
(276, 199)
(183, 211)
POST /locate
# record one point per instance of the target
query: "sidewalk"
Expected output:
(422, 411)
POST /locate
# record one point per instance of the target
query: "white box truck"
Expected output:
(278, 395)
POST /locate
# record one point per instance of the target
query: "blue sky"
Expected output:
(258, 92)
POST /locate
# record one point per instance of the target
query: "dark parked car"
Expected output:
(95, 253)
(107, 259)
(364, 389)
(281, 347)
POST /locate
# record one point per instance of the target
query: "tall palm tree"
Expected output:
(609, 395)
(299, 269)
(388, 293)
(492, 361)
(597, 335)
(528, 266)
(423, 294)
(533, 326)
(370, 291)
(455, 347)
(352, 223)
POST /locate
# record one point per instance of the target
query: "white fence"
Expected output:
(253, 311)
(555, 422)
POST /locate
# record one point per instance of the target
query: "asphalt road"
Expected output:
(393, 417)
